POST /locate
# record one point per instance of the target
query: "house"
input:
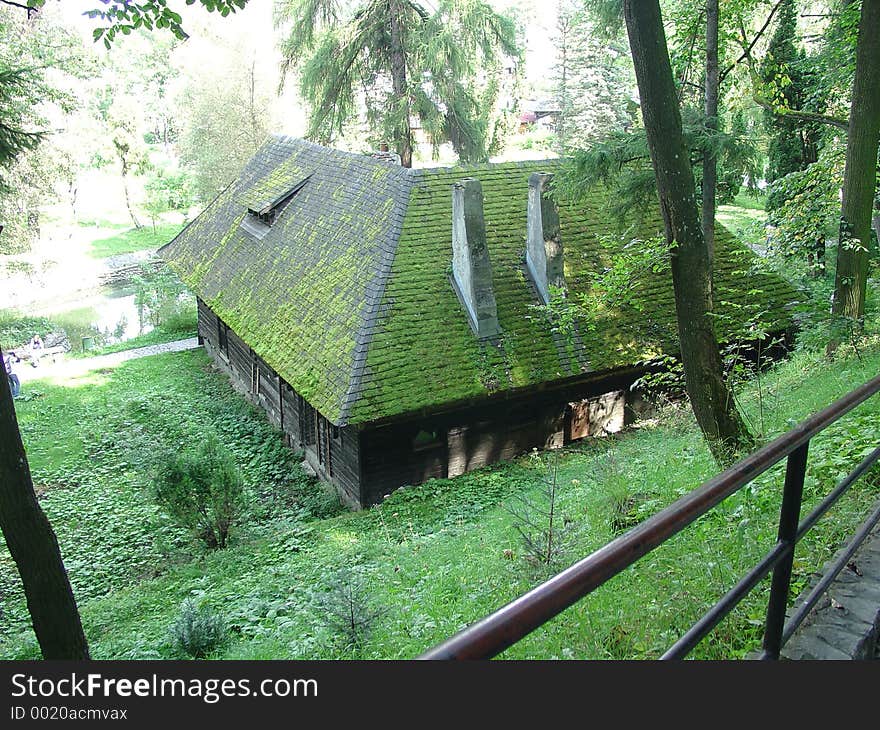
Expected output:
(394, 323)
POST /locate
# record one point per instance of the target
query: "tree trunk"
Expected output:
(712, 402)
(34, 548)
(710, 160)
(403, 133)
(131, 214)
(860, 175)
(877, 219)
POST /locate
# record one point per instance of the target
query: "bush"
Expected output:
(197, 631)
(203, 490)
(182, 320)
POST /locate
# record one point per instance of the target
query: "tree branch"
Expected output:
(18, 5)
(799, 114)
(747, 52)
(803, 115)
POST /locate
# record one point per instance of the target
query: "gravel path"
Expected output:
(69, 367)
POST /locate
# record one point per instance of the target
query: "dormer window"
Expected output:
(264, 211)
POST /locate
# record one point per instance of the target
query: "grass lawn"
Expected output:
(429, 560)
(133, 239)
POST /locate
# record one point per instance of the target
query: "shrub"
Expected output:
(347, 608)
(203, 490)
(17, 328)
(539, 521)
(197, 631)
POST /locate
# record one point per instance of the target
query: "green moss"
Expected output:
(299, 297)
(423, 353)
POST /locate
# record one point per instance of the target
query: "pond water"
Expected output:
(103, 317)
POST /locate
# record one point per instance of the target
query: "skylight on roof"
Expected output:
(263, 214)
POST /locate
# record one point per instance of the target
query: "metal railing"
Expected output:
(503, 628)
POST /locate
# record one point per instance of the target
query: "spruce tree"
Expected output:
(793, 143)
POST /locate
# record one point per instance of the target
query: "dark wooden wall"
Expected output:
(366, 463)
(332, 452)
(448, 444)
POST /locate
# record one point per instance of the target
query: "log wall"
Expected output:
(332, 452)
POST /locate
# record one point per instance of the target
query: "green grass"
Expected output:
(745, 217)
(433, 558)
(133, 239)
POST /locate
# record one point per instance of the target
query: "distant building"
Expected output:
(392, 321)
(537, 112)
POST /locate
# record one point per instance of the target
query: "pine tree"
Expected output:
(397, 61)
(594, 80)
(793, 143)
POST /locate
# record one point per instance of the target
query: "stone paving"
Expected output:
(845, 624)
(62, 366)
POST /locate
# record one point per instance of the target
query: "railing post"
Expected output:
(789, 515)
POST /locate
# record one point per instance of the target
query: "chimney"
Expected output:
(543, 242)
(471, 269)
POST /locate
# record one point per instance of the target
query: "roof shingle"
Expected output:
(348, 296)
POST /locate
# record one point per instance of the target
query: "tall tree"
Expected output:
(594, 80)
(793, 142)
(401, 62)
(860, 175)
(711, 400)
(710, 109)
(26, 530)
(225, 111)
(34, 547)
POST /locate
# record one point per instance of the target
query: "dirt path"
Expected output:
(69, 367)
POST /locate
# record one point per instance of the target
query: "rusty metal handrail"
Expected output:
(503, 628)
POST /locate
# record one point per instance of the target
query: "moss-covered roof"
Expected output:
(348, 296)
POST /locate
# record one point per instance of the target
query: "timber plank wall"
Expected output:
(366, 463)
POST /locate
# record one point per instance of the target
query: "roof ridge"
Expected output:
(485, 165)
(375, 294)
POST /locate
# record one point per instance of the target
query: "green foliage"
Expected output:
(197, 631)
(168, 190)
(17, 85)
(160, 296)
(38, 62)
(346, 606)
(804, 207)
(787, 80)
(618, 287)
(16, 328)
(594, 80)
(223, 114)
(447, 71)
(542, 528)
(620, 161)
(438, 556)
(123, 17)
(203, 490)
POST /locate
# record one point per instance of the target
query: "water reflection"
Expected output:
(104, 317)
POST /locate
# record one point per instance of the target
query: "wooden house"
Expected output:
(394, 323)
